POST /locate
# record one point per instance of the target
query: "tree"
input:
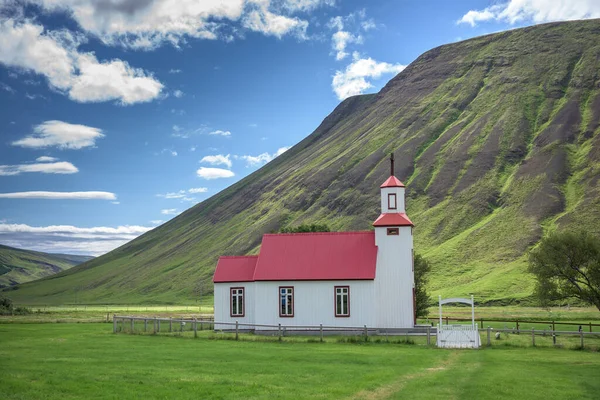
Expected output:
(306, 228)
(567, 266)
(422, 268)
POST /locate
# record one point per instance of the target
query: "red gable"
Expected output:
(308, 256)
(393, 219)
(392, 181)
(235, 269)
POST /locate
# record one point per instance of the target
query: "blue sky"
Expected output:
(116, 115)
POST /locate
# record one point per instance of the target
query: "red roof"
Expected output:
(235, 269)
(307, 256)
(393, 219)
(392, 181)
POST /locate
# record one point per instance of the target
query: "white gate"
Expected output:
(458, 336)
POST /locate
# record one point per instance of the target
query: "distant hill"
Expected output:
(19, 266)
(497, 139)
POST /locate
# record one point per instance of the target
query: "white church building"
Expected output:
(339, 279)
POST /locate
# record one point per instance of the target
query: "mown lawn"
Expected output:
(70, 361)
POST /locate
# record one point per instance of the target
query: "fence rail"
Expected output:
(155, 325)
(517, 322)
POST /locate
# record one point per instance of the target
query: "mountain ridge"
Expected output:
(496, 138)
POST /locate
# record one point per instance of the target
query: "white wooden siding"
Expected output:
(222, 303)
(314, 303)
(394, 280)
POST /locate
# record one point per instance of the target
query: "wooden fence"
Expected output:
(174, 325)
(517, 322)
(131, 324)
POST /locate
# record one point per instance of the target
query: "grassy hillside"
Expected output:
(497, 139)
(18, 266)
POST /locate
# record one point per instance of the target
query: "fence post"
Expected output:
(590, 327)
(145, 325)
(581, 334)
(236, 330)
(132, 325)
(158, 326)
(170, 324)
(366, 334)
(114, 323)
(428, 335)
(518, 327)
(154, 325)
(279, 333)
(533, 336)
(321, 331)
(195, 328)
(489, 336)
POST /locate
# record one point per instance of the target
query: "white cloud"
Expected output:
(254, 161)
(62, 135)
(46, 159)
(91, 195)
(538, 11)
(218, 159)
(214, 173)
(147, 24)
(178, 93)
(157, 221)
(340, 40)
(264, 21)
(61, 167)
(169, 211)
(55, 55)
(115, 202)
(198, 190)
(168, 151)
(220, 133)
(354, 81)
(174, 71)
(67, 238)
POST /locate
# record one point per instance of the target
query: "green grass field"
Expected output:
(70, 361)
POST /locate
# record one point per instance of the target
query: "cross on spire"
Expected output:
(392, 164)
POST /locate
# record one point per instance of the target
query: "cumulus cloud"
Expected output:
(268, 23)
(62, 135)
(90, 195)
(214, 173)
(55, 55)
(218, 159)
(147, 24)
(538, 11)
(340, 40)
(355, 78)
(61, 167)
(67, 238)
(261, 159)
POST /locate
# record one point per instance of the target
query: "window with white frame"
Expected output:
(342, 301)
(392, 201)
(286, 301)
(237, 302)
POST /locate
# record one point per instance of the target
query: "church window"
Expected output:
(392, 201)
(237, 302)
(286, 301)
(342, 301)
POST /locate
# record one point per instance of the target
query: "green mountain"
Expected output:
(18, 266)
(497, 139)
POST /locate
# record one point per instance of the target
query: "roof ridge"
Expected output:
(318, 233)
(250, 256)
